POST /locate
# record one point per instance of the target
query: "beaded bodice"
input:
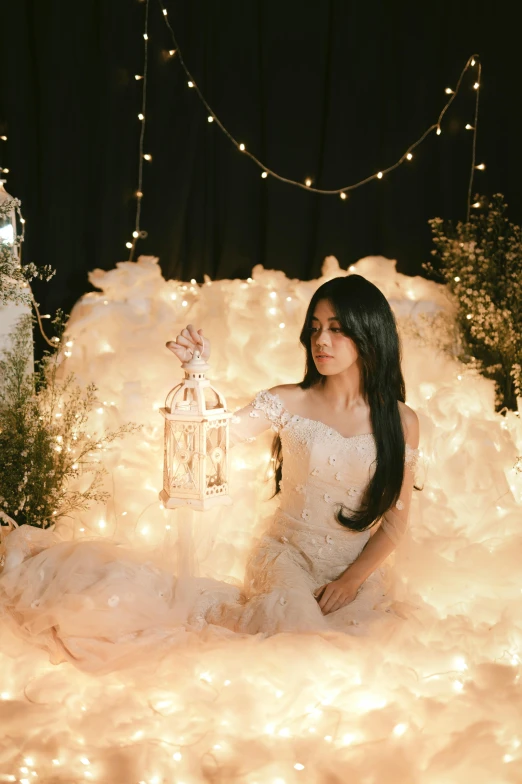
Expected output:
(321, 468)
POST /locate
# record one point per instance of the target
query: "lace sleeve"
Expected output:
(395, 521)
(266, 410)
(411, 458)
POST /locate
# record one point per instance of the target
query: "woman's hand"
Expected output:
(337, 594)
(186, 343)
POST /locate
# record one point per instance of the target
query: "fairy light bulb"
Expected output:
(147, 157)
(476, 205)
(469, 127)
(242, 147)
(139, 194)
(165, 12)
(264, 175)
(456, 279)
(473, 61)
(476, 86)
(138, 77)
(409, 156)
(343, 196)
(145, 37)
(439, 131)
(481, 166)
(128, 245)
(460, 663)
(190, 84)
(210, 119)
(135, 234)
(308, 182)
(141, 116)
(449, 91)
(379, 175)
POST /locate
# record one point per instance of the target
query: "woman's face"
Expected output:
(332, 351)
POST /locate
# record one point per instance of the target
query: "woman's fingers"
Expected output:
(186, 343)
(334, 607)
(330, 600)
(319, 591)
(323, 601)
(194, 334)
(183, 354)
(330, 604)
(184, 340)
(190, 333)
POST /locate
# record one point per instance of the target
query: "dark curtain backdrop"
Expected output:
(331, 89)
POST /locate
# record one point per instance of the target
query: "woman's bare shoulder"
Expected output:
(410, 423)
(289, 393)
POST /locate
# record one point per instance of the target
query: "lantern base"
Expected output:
(195, 503)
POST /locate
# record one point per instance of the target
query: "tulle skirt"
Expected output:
(103, 606)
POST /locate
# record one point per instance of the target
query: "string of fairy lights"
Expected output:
(266, 171)
(138, 233)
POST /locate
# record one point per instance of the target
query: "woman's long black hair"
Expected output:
(366, 317)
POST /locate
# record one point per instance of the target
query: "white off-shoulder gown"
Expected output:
(99, 605)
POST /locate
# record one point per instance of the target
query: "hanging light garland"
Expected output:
(266, 172)
(138, 233)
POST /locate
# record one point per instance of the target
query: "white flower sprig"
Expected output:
(480, 261)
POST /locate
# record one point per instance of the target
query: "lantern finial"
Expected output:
(196, 364)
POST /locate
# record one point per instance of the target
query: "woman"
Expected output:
(348, 445)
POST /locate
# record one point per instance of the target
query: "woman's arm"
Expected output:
(386, 537)
(264, 411)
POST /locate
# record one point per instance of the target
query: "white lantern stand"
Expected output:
(196, 466)
(11, 312)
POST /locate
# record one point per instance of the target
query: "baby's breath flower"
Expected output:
(480, 261)
(36, 480)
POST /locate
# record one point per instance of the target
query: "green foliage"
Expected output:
(480, 261)
(14, 278)
(45, 441)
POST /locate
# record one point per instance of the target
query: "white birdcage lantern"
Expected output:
(196, 462)
(11, 308)
(8, 234)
